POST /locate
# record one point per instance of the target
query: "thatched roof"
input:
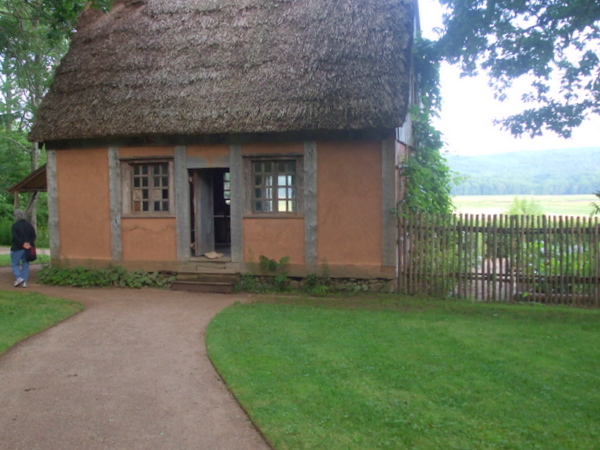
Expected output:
(201, 67)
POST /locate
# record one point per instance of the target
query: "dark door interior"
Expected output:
(210, 210)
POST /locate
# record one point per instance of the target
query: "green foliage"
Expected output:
(318, 285)
(250, 283)
(5, 234)
(595, 206)
(115, 276)
(535, 39)
(428, 178)
(280, 279)
(522, 206)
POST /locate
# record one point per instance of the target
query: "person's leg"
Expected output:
(24, 269)
(15, 265)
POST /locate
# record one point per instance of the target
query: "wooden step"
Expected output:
(201, 286)
(223, 282)
(209, 277)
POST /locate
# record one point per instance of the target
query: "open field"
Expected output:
(567, 205)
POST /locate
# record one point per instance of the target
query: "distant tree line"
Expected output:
(551, 185)
(549, 172)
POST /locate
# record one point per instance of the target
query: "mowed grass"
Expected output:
(574, 205)
(413, 373)
(23, 314)
(5, 260)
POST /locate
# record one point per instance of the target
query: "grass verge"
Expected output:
(23, 314)
(410, 373)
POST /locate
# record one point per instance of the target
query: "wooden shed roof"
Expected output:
(196, 67)
(34, 182)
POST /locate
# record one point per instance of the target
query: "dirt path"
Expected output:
(129, 372)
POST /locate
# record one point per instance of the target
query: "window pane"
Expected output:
(150, 188)
(275, 185)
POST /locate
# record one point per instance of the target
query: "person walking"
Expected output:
(23, 238)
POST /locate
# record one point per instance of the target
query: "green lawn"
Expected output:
(23, 314)
(5, 260)
(413, 373)
(499, 204)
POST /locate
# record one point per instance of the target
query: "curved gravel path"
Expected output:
(129, 372)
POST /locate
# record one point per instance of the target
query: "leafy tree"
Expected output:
(540, 39)
(428, 177)
(33, 38)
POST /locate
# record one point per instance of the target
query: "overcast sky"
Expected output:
(469, 109)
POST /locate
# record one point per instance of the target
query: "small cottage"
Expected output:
(181, 134)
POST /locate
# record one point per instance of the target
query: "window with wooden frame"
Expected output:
(276, 186)
(148, 188)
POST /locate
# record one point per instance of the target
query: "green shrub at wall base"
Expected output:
(112, 276)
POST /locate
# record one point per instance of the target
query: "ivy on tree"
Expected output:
(540, 39)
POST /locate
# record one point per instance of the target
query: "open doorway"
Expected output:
(210, 211)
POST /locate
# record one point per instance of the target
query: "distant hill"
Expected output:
(548, 172)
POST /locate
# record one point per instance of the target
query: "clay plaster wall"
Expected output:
(145, 152)
(149, 239)
(274, 238)
(349, 203)
(206, 156)
(83, 204)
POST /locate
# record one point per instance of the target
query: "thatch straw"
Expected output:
(198, 67)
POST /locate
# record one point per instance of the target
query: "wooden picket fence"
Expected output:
(546, 259)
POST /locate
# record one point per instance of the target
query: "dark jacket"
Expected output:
(22, 231)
